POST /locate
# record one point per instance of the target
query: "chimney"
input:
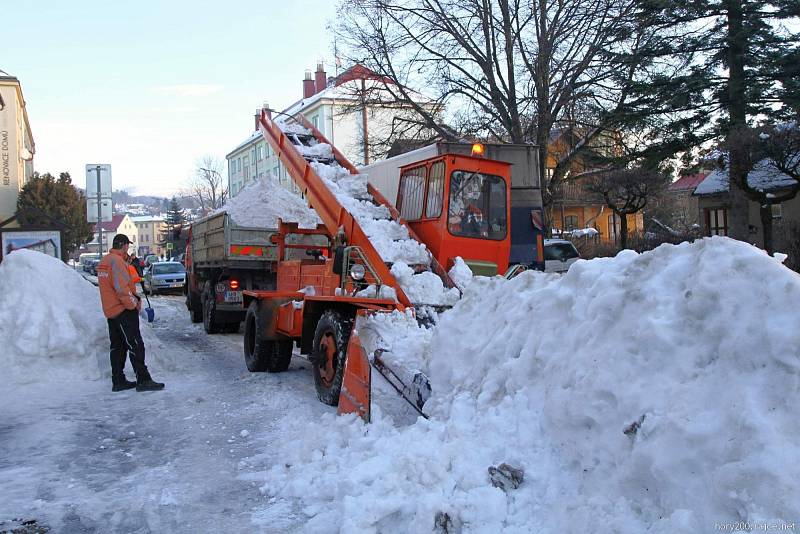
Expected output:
(308, 85)
(257, 115)
(321, 79)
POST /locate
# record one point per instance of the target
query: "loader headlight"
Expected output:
(357, 271)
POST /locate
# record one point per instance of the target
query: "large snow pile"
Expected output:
(264, 201)
(643, 393)
(51, 322)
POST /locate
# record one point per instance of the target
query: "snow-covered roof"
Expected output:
(764, 176)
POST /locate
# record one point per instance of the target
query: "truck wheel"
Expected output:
(195, 307)
(330, 349)
(263, 354)
(209, 311)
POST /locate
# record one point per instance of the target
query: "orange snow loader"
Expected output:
(460, 205)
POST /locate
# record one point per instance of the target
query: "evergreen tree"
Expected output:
(47, 201)
(174, 222)
(715, 65)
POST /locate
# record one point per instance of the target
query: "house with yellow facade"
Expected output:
(573, 206)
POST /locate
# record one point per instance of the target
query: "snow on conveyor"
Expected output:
(390, 239)
(643, 393)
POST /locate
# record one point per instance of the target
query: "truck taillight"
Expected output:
(234, 284)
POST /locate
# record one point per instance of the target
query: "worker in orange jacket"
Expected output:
(120, 306)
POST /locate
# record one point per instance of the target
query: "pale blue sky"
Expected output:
(150, 86)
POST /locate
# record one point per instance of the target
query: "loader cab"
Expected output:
(459, 206)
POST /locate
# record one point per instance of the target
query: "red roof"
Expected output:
(687, 182)
(112, 225)
(360, 72)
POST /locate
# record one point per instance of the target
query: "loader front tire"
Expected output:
(330, 350)
(262, 354)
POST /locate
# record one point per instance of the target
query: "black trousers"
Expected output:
(123, 331)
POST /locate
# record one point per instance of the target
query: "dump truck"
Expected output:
(222, 260)
(462, 205)
(526, 222)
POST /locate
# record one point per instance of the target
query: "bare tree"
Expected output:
(509, 70)
(627, 192)
(207, 185)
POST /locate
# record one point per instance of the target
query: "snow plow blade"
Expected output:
(356, 394)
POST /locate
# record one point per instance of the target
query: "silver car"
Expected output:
(163, 276)
(559, 254)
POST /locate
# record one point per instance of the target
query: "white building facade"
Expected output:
(332, 106)
(16, 144)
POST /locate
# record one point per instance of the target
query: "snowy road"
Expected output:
(78, 458)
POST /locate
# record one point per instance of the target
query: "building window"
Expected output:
(613, 226)
(717, 221)
(777, 211)
(570, 223)
(315, 121)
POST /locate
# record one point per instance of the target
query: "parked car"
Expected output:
(85, 257)
(559, 255)
(91, 266)
(164, 276)
(150, 259)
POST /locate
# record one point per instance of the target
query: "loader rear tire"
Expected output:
(329, 353)
(262, 354)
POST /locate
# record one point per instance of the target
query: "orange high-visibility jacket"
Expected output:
(115, 284)
(135, 278)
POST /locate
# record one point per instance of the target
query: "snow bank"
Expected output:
(51, 322)
(264, 201)
(653, 392)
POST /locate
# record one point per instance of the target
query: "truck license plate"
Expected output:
(233, 296)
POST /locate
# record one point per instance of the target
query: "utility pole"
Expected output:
(99, 213)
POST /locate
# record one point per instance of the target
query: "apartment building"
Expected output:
(149, 232)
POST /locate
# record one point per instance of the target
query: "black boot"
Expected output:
(149, 384)
(122, 385)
